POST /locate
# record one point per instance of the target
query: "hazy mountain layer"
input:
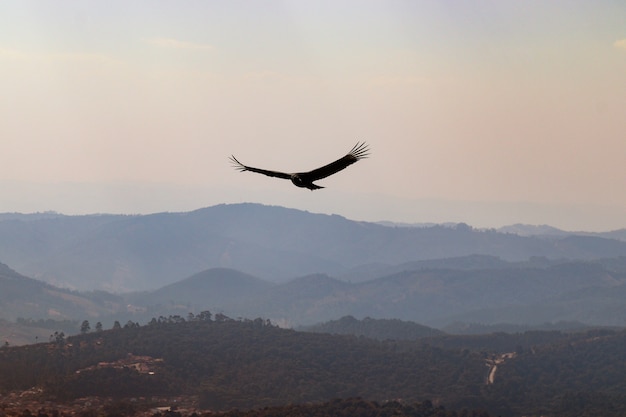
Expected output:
(535, 293)
(122, 253)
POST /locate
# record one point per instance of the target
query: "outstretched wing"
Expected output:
(241, 167)
(357, 153)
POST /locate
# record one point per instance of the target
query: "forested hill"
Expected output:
(250, 363)
(243, 364)
(381, 329)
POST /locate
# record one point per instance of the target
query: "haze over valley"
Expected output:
(300, 268)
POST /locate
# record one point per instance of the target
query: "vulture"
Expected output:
(305, 179)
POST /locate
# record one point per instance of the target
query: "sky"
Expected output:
(484, 112)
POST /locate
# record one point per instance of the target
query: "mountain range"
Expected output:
(121, 253)
(298, 268)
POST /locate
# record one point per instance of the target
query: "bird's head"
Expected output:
(297, 181)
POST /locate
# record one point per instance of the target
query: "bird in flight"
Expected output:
(305, 179)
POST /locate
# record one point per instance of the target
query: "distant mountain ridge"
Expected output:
(553, 232)
(144, 252)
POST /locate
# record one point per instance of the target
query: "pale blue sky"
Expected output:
(486, 112)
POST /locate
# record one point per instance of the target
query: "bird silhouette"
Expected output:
(305, 179)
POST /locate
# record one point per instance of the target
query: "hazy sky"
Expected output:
(484, 112)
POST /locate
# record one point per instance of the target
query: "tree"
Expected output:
(131, 325)
(117, 325)
(98, 327)
(204, 316)
(58, 338)
(84, 327)
(220, 318)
